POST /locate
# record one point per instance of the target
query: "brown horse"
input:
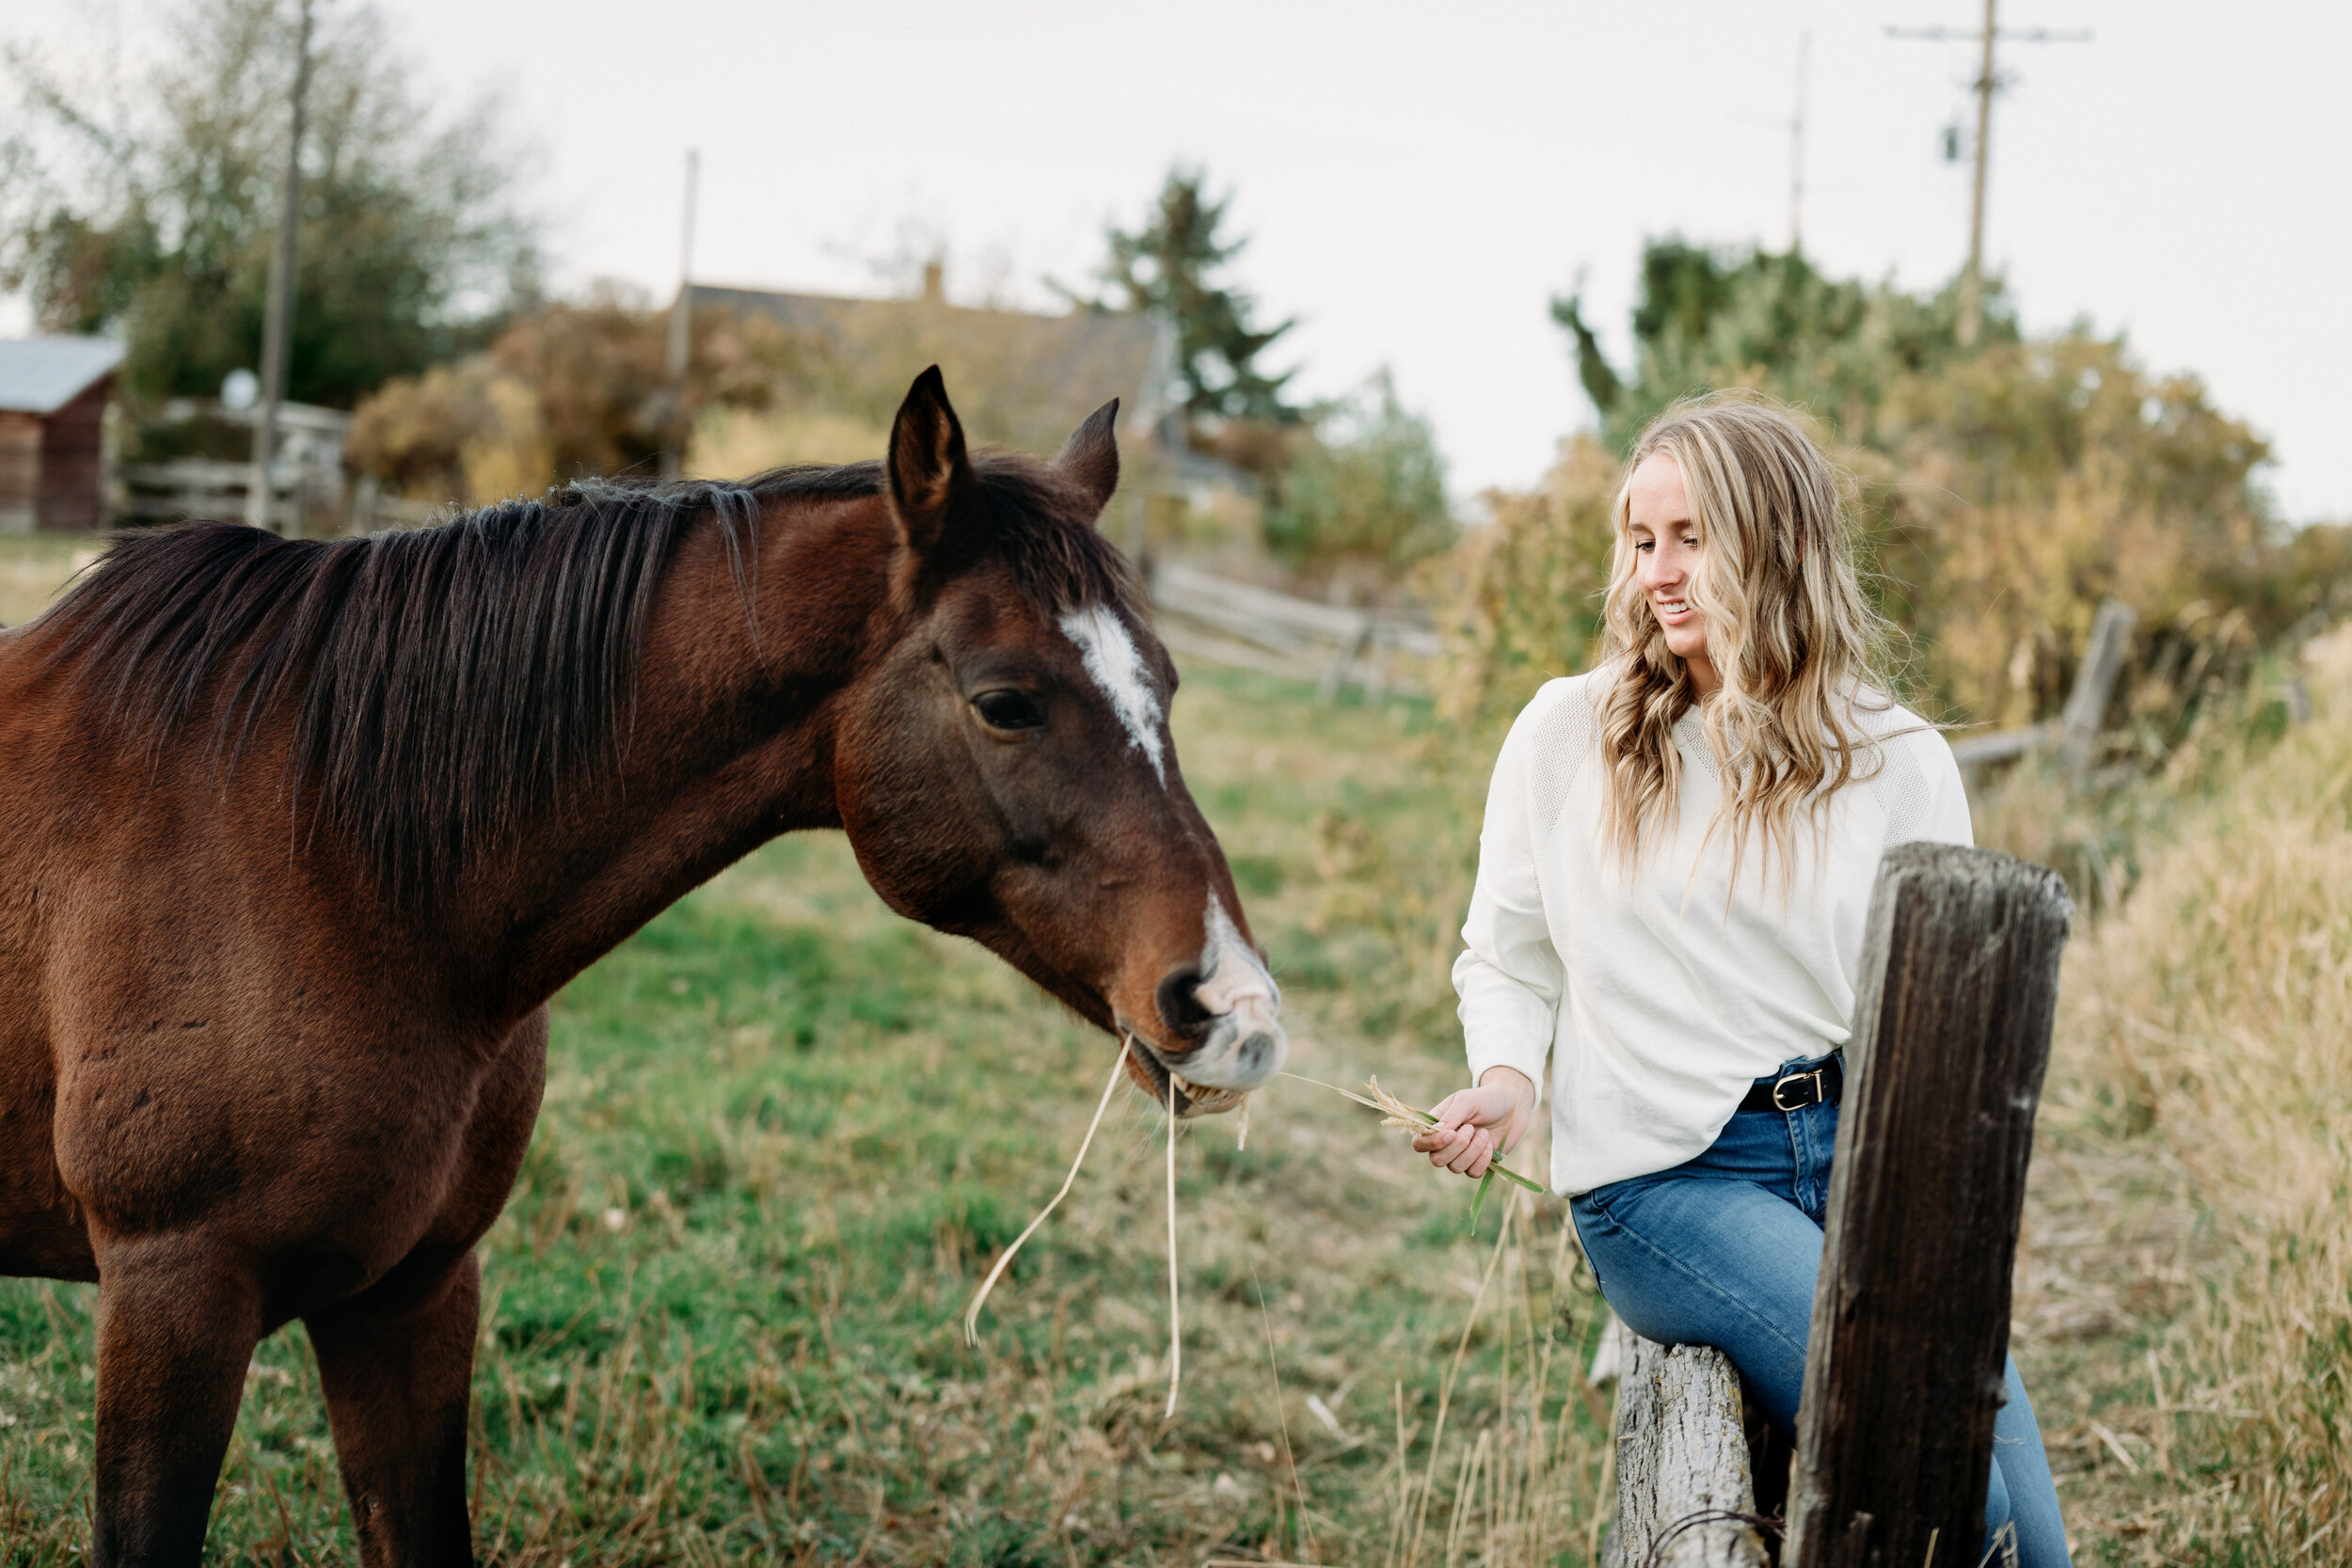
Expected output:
(296, 840)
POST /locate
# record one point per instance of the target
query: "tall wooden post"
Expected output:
(2094, 685)
(1988, 82)
(681, 344)
(1972, 280)
(1796, 146)
(1904, 1372)
(278, 325)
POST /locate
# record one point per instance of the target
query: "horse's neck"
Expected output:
(729, 744)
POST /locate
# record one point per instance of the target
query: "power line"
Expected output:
(1988, 82)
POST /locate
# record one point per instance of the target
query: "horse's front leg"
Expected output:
(397, 1363)
(397, 1358)
(178, 1319)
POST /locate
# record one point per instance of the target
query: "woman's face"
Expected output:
(1666, 557)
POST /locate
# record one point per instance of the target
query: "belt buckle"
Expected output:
(1815, 1076)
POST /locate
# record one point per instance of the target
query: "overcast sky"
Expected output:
(1418, 181)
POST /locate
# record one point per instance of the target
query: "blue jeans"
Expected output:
(1723, 1250)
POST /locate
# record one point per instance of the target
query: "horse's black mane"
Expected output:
(449, 680)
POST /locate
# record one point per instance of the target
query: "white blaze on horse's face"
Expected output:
(1244, 1043)
(1110, 657)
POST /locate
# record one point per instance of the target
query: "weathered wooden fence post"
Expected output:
(2094, 685)
(1903, 1375)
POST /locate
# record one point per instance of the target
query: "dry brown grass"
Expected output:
(1526, 1490)
(2192, 1183)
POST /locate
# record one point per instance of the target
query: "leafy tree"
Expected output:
(1365, 495)
(1709, 319)
(1172, 263)
(2002, 491)
(572, 390)
(1525, 595)
(153, 214)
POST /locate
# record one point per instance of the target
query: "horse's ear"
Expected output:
(928, 471)
(1089, 458)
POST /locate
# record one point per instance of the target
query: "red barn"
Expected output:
(52, 404)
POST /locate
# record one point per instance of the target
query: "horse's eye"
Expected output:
(1010, 710)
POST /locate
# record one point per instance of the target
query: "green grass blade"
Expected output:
(1480, 1201)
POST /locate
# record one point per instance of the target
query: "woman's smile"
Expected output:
(1667, 551)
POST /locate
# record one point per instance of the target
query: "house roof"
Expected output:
(41, 376)
(1021, 379)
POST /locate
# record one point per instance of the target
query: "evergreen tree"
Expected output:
(1173, 264)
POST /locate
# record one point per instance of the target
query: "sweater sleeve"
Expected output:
(1948, 821)
(1927, 803)
(1509, 976)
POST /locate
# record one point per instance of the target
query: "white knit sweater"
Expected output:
(1657, 1001)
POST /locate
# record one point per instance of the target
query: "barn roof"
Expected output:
(41, 376)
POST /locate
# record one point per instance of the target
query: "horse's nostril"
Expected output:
(1257, 1056)
(1180, 1003)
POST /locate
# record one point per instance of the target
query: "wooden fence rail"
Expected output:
(2075, 731)
(1205, 616)
(302, 501)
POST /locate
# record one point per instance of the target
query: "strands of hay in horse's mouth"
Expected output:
(1175, 1318)
(1004, 1261)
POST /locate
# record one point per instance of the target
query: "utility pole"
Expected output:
(1796, 147)
(1972, 280)
(682, 328)
(1988, 82)
(276, 325)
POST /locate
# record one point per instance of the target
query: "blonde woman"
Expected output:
(1678, 851)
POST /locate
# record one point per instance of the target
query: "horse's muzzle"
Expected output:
(1235, 1053)
(1220, 1032)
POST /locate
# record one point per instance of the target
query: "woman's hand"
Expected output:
(1476, 1127)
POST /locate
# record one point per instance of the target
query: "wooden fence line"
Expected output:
(2075, 731)
(301, 498)
(1216, 619)
(1202, 615)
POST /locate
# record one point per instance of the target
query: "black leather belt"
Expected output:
(1823, 1084)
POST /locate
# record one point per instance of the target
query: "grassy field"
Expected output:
(784, 1132)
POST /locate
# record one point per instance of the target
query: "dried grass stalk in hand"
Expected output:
(1395, 1113)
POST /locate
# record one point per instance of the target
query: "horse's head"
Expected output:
(1006, 770)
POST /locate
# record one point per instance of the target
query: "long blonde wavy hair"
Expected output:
(1795, 645)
